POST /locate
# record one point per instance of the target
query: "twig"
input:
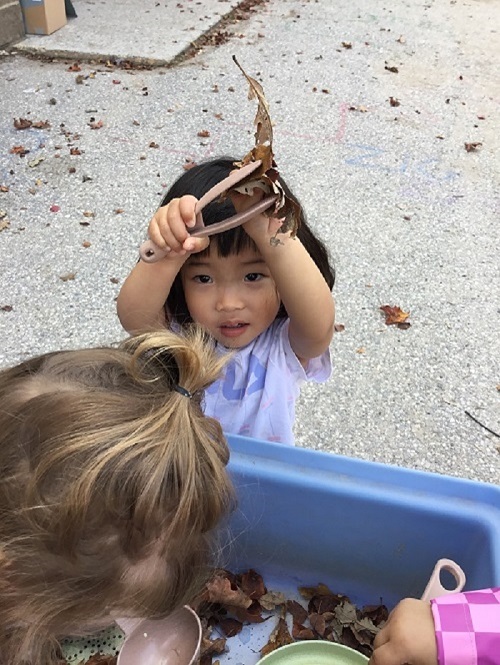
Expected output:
(480, 423)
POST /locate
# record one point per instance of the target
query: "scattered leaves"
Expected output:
(75, 151)
(67, 277)
(75, 67)
(153, 145)
(473, 147)
(394, 102)
(96, 124)
(6, 308)
(394, 315)
(347, 45)
(86, 244)
(118, 211)
(4, 189)
(328, 616)
(204, 133)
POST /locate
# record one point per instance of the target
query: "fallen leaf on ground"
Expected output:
(22, 123)
(6, 308)
(394, 315)
(204, 133)
(19, 150)
(473, 147)
(67, 277)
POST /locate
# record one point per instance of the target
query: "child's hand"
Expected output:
(169, 227)
(407, 637)
(260, 224)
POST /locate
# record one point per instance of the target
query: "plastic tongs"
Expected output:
(434, 588)
(150, 252)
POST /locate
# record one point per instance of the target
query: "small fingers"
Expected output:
(168, 229)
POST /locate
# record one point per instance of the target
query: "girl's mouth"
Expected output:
(233, 329)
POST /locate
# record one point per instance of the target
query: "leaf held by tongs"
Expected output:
(267, 175)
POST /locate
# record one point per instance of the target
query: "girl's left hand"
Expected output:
(407, 637)
(261, 225)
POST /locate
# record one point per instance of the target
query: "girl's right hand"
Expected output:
(169, 227)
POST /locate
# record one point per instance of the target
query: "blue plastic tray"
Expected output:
(368, 530)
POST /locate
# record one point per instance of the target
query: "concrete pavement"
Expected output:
(373, 106)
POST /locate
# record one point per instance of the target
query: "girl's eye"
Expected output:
(202, 279)
(253, 277)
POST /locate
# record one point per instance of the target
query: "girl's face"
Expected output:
(234, 297)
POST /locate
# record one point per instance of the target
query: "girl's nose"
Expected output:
(228, 299)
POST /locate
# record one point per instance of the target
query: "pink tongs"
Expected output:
(150, 253)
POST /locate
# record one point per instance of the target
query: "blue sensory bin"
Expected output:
(371, 531)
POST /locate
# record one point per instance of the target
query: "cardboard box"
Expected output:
(371, 531)
(43, 17)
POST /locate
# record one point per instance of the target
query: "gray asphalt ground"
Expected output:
(410, 216)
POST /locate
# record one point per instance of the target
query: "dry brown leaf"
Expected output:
(230, 627)
(272, 599)
(285, 208)
(473, 147)
(220, 590)
(101, 659)
(4, 189)
(394, 315)
(67, 277)
(19, 150)
(278, 638)
(22, 123)
(253, 584)
(204, 133)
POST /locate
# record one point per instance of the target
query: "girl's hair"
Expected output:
(111, 484)
(197, 181)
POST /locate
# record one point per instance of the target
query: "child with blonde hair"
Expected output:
(111, 484)
(259, 292)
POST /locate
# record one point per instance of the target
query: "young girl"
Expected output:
(111, 482)
(457, 629)
(269, 302)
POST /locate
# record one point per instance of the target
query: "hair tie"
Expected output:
(182, 391)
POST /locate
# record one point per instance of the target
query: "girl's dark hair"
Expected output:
(197, 181)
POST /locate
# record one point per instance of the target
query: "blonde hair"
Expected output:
(111, 484)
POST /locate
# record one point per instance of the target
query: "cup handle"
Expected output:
(434, 588)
